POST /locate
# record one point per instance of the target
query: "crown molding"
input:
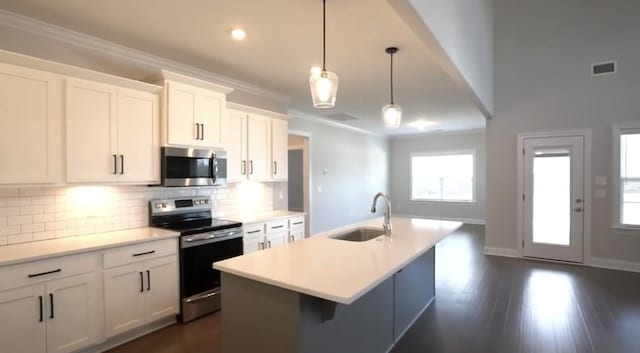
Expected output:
(254, 110)
(296, 114)
(138, 57)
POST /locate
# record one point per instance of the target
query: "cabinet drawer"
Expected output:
(140, 252)
(277, 226)
(253, 232)
(296, 222)
(15, 276)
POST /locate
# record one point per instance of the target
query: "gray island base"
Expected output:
(262, 318)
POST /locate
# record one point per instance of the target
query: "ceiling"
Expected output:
(284, 39)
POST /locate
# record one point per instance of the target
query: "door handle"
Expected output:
(141, 282)
(197, 131)
(148, 280)
(251, 167)
(115, 164)
(275, 167)
(122, 164)
(52, 310)
(41, 309)
(243, 168)
(202, 132)
(578, 209)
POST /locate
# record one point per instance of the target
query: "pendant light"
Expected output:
(391, 113)
(324, 85)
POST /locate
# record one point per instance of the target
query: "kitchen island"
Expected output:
(330, 295)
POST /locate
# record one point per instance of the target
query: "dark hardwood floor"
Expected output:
(487, 304)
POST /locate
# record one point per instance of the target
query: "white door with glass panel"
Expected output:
(554, 198)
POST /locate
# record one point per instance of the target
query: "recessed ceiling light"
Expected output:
(238, 34)
(315, 70)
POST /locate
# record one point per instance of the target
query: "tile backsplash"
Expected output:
(32, 214)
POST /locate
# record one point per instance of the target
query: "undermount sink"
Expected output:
(359, 234)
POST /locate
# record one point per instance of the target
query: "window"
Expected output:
(630, 177)
(443, 177)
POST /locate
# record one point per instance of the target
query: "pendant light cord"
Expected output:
(324, 35)
(391, 83)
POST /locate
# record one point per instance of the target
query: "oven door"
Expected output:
(199, 282)
(188, 167)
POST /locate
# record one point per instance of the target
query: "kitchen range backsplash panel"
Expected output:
(32, 214)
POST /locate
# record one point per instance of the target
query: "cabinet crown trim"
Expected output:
(166, 75)
(257, 111)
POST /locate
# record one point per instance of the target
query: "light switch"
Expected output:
(601, 180)
(600, 193)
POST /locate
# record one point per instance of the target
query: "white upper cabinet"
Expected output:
(280, 149)
(194, 110)
(256, 146)
(120, 129)
(30, 123)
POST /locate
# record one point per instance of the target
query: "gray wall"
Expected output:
(356, 169)
(295, 190)
(400, 169)
(543, 53)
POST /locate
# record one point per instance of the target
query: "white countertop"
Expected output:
(248, 218)
(338, 270)
(37, 250)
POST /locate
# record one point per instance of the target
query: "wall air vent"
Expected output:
(603, 68)
(341, 117)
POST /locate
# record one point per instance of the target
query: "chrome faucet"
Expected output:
(387, 212)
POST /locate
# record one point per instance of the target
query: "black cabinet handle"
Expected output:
(31, 275)
(148, 280)
(275, 167)
(251, 167)
(121, 164)
(41, 309)
(254, 231)
(52, 310)
(202, 136)
(141, 282)
(243, 168)
(276, 227)
(197, 131)
(115, 164)
(144, 253)
(296, 223)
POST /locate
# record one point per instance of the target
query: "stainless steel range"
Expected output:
(203, 241)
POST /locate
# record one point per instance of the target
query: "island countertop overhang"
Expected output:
(337, 270)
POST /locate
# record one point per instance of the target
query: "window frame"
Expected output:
(472, 152)
(620, 129)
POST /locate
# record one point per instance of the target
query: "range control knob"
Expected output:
(158, 205)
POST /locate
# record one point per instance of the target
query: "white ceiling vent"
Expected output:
(603, 68)
(342, 117)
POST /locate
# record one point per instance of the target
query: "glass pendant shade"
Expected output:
(324, 87)
(392, 115)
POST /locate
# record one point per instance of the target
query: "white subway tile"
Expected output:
(61, 199)
(44, 235)
(31, 191)
(55, 191)
(3, 221)
(18, 201)
(86, 230)
(43, 200)
(19, 238)
(55, 225)
(10, 230)
(18, 220)
(44, 218)
(65, 233)
(10, 192)
(31, 210)
(32, 228)
(54, 208)
(3, 240)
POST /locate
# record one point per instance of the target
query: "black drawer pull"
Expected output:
(254, 231)
(31, 275)
(52, 311)
(276, 227)
(148, 280)
(296, 223)
(41, 309)
(141, 282)
(145, 253)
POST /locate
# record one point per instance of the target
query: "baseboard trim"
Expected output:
(619, 265)
(130, 336)
(505, 252)
(454, 219)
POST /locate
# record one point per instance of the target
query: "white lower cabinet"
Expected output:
(140, 293)
(264, 235)
(57, 316)
(276, 238)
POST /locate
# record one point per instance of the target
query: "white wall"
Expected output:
(543, 53)
(400, 166)
(349, 167)
(464, 30)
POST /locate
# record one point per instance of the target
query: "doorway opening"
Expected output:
(299, 176)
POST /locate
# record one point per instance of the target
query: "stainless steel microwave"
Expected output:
(193, 167)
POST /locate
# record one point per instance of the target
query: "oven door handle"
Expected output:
(203, 296)
(188, 242)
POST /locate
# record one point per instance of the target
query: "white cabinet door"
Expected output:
(208, 112)
(253, 238)
(235, 143)
(279, 151)
(91, 125)
(124, 299)
(181, 107)
(72, 313)
(30, 118)
(259, 147)
(22, 327)
(138, 137)
(277, 238)
(295, 235)
(161, 288)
